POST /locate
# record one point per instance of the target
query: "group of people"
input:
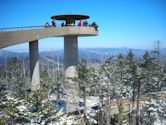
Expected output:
(53, 24)
(85, 23)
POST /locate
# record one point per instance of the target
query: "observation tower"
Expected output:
(32, 34)
(71, 40)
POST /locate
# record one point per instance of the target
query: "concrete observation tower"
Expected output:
(71, 54)
(32, 34)
(71, 42)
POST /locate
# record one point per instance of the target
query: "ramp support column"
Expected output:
(70, 55)
(70, 62)
(34, 65)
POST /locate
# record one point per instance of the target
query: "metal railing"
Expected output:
(30, 28)
(21, 28)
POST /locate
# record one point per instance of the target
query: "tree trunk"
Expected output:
(138, 105)
(84, 97)
(133, 99)
(23, 68)
(108, 111)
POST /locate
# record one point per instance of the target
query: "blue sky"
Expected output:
(122, 23)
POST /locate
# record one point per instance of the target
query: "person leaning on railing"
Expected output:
(94, 25)
(80, 23)
(62, 24)
(85, 23)
(46, 24)
(53, 23)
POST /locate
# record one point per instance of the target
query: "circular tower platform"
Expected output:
(70, 18)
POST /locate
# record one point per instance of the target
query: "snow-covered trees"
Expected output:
(124, 76)
(35, 108)
(154, 110)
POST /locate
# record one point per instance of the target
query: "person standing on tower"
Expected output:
(53, 23)
(85, 23)
(80, 23)
(62, 24)
(46, 24)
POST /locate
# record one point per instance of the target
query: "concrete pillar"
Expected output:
(34, 65)
(70, 62)
(70, 55)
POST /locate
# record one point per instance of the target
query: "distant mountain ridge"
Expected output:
(84, 53)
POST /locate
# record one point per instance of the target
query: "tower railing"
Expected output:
(21, 28)
(10, 29)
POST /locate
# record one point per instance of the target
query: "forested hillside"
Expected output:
(141, 81)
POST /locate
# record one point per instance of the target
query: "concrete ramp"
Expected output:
(10, 38)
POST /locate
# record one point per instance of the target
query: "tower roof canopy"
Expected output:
(70, 17)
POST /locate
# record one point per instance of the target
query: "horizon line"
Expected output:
(55, 49)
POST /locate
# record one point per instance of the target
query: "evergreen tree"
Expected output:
(132, 67)
(83, 79)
